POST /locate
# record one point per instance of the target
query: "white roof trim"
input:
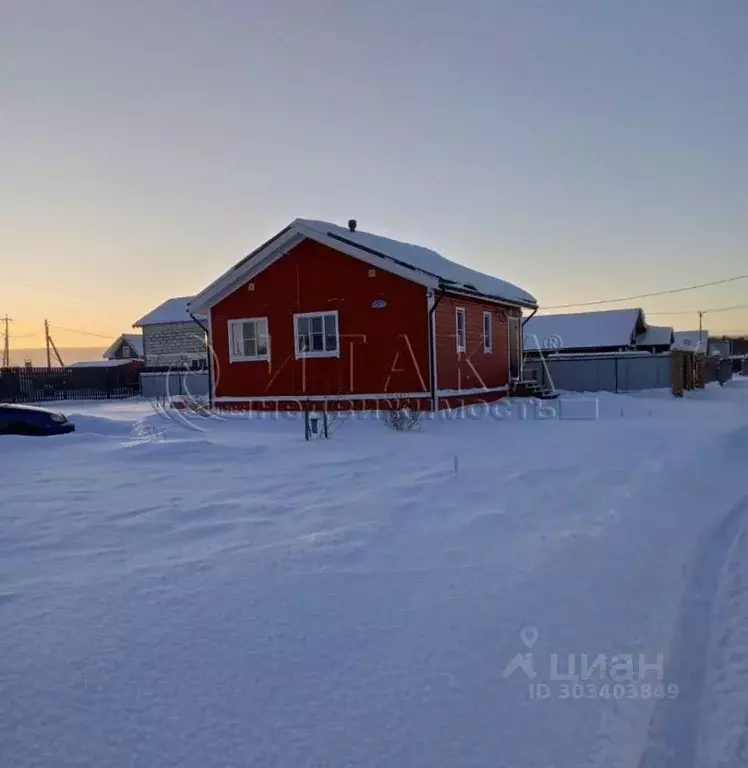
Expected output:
(276, 247)
(260, 260)
(244, 270)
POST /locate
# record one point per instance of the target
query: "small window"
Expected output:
(125, 350)
(248, 339)
(487, 338)
(460, 328)
(317, 334)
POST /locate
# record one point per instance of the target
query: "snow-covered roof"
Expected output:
(414, 262)
(171, 311)
(135, 340)
(100, 363)
(582, 330)
(428, 261)
(655, 336)
(691, 340)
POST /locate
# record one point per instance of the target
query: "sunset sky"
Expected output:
(584, 150)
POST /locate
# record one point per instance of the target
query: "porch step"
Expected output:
(547, 394)
(532, 388)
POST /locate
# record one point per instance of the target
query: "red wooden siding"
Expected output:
(474, 368)
(381, 350)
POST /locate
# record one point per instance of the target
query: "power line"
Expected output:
(675, 312)
(24, 335)
(703, 311)
(650, 295)
(108, 337)
(726, 309)
(84, 333)
(50, 291)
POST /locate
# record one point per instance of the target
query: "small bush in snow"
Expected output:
(403, 420)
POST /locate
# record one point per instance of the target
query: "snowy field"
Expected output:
(217, 592)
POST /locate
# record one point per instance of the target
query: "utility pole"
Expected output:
(51, 348)
(6, 346)
(701, 316)
(46, 341)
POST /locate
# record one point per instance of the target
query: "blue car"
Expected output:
(29, 420)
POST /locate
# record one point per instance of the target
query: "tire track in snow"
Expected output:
(674, 727)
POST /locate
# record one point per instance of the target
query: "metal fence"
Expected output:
(33, 385)
(170, 383)
(608, 373)
(626, 372)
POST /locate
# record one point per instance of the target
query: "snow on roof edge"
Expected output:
(656, 335)
(427, 261)
(101, 363)
(582, 330)
(422, 260)
(175, 310)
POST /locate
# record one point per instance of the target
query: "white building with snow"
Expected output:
(173, 336)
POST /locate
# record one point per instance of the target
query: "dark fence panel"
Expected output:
(35, 385)
(718, 369)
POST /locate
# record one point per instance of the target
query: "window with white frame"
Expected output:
(248, 339)
(460, 329)
(125, 350)
(487, 339)
(317, 334)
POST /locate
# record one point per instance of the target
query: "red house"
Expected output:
(323, 313)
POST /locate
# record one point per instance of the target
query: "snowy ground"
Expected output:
(221, 593)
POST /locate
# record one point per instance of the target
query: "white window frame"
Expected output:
(238, 322)
(125, 351)
(487, 333)
(460, 312)
(302, 354)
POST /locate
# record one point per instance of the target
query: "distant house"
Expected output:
(719, 347)
(332, 314)
(173, 336)
(129, 346)
(729, 346)
(656, 338)
(739, 345)
(598, 332)
(696, 341)
(613, 330)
